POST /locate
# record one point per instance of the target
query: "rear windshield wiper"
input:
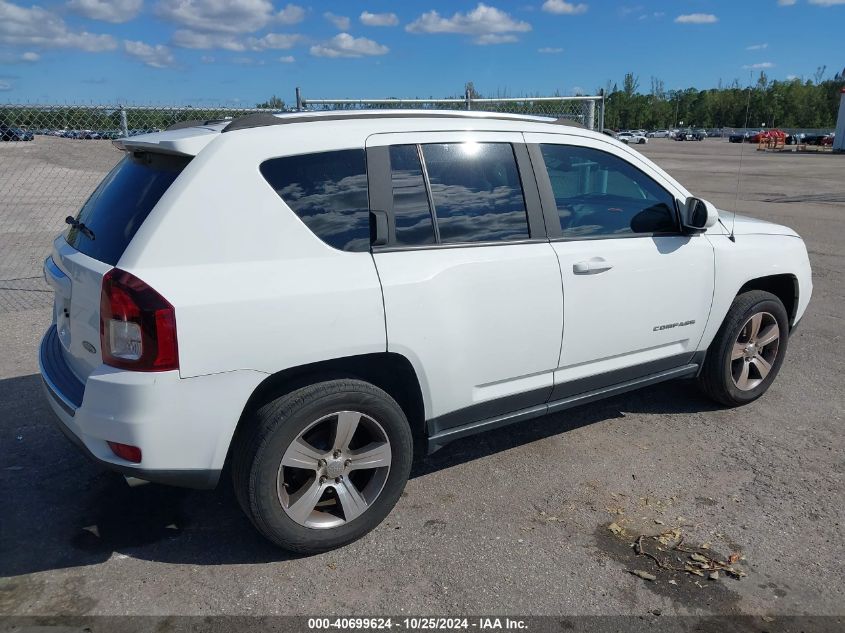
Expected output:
(80, 226)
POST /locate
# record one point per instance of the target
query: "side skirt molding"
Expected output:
(438, 440)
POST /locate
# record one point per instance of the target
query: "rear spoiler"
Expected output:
(183, 141)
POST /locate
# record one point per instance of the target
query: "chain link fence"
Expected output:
(53, 156)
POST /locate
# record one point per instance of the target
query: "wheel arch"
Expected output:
(783, 286)
(391, 372)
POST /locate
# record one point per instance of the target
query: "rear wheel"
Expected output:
(323, 465)
(749, 348)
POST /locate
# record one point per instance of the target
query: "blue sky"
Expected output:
(242, 51)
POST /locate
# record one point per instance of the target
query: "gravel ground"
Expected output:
(514, 521)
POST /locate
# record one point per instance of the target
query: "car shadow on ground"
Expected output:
(60, 510)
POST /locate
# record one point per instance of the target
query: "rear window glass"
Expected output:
(328, 191)
(121, 203)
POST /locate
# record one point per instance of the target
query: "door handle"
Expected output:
(591, 266)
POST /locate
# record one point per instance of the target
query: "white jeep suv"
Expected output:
(309, 297)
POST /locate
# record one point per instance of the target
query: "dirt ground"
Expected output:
(512, 522)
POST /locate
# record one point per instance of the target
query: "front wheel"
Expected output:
(323, 465)
(748, 350)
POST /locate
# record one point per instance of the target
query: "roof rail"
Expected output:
(181, 125)
(264, 119)
(564, 121)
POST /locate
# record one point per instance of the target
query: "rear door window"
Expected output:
(476, 191)
(328, 191)
(411, 209)
(122, 202)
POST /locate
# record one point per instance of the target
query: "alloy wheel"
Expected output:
(754, 352)
(334, 470)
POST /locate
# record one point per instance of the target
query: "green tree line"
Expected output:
(813, 103)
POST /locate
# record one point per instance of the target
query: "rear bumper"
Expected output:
(182, 426)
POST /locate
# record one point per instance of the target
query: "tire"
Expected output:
(741, 362)
(311, 417)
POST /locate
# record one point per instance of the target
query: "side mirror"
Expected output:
(699, 215)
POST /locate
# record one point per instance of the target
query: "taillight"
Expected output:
(137, 325)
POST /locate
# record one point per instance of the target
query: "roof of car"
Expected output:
(262, 119)
(189, 137)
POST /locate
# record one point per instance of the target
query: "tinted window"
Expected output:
(476, 192)
(410, 199)
(121, 203)
(600, 195)
(328, 191)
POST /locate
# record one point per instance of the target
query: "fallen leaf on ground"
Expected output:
(643, 574)
(616, 528)
(714, 575)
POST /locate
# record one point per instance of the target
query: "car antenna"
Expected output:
(731, 235)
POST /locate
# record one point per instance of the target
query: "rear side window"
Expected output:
(121, 203)
(476, 192)
(328, 191)
(599, 195)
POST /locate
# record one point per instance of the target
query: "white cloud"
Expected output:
(378, 19)
(826, 3)
(549, 50)
(488, 25)
(158, 56)
(287, 59)
(115, 11)
(697, 18)
(757, 47)
(760, 66)
(496, 38)
(564, 8)
(344, 45)
(341, 22)
(207, 59)
(786, 3)
(792, 77)
(186, 38)
(15, 58)
(291, 14)
(227, 16)
(35, 26)
(5, 85)
(275, 41)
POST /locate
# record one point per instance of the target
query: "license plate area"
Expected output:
(62, 286)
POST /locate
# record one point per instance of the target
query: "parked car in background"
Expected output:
(737, 137)
(393, 280)
(763, 135)
(658, 134)
(815, 139)
(8, 133)
(632, 138)
(688, 135)
(828, 140)
(699, 134)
